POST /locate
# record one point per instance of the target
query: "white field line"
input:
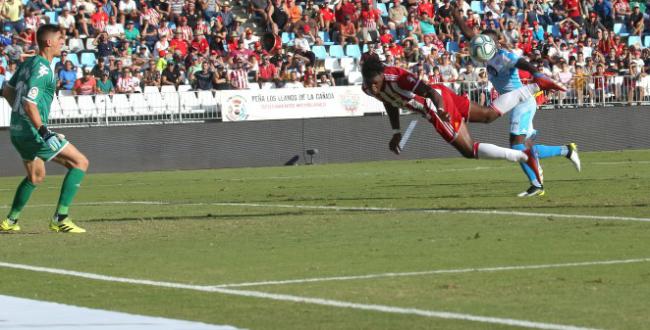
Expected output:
(362, 209)
(299, 299)
(434, 272)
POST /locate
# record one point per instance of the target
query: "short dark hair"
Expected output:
(371, 67)
(44, 32)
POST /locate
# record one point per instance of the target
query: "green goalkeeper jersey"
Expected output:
(34, 82)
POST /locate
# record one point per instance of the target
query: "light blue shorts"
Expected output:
(521, 118)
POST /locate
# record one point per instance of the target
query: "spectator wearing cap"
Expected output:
(100, 68)
(86, 85)
(226, 16)
(131, 33)
(60, 65)
(105, 85)
(67, 76)
(593, 25)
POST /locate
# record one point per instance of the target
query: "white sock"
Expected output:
(506, 102)
(491, 151)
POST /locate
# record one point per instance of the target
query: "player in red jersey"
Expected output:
(447, 111)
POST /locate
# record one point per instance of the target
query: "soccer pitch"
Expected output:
(426, 244)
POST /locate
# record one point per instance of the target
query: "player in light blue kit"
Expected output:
(502, 73)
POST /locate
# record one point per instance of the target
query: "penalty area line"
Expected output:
(299, 299)
(434, 272)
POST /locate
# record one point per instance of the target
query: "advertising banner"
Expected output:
(293, 103)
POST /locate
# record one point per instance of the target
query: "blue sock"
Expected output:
(551, 151)
(527, 170)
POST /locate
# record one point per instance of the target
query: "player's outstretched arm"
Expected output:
(393, 117)
(460, 22)
(544, 82)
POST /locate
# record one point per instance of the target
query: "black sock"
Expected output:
(568, 154)
(61, 217)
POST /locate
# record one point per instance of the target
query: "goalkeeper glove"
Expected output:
(52, 139)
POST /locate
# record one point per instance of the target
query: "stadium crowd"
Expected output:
(120, 46)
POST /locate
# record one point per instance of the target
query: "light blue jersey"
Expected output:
(502, 71)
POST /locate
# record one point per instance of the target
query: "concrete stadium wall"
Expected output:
(274, 143)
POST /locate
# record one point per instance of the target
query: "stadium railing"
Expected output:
(156, 107)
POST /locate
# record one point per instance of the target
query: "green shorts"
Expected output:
(32, 147)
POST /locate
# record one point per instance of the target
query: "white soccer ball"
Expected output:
(482, 48)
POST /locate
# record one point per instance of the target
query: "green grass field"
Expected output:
(233, 226)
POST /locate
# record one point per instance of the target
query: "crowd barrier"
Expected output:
(153, 106)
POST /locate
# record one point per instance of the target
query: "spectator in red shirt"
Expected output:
(326, 17)
(201, 44)
(348, 32)
(267, 72)
(370, 23)
(426, 7)
(87, 85)
(396, 50)
(178, 44)
(573, 10)
(344, 9)
(386, 37)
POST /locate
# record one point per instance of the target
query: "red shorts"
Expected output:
(458, 109)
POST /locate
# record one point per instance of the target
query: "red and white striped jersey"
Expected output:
(398, 89)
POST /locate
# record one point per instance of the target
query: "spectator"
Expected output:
(326, 79)
(104, 45)
(87, 85)
(178, 45)
(348, 32)
(151, 75)
(11, 11)
(115, 31)
(606, 13)
(171, 75)
(325, 17)
(636, 25)
(279, 18)
(100, 68)
(447, 69)
(370, 23)
(267, 72)
(226, 17)
(66, 22)
(238, 76)
(131, 33)
(204, 79)
(397, 16)
(259, 8)
(127, 83)
(67, 76)
(635, 91)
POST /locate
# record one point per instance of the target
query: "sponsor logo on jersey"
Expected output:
(42, 71)
(33, 93)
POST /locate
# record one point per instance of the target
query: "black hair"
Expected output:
(44, 32)
(371, 66)
(492, 34)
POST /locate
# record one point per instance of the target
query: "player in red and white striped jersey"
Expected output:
(447, 111)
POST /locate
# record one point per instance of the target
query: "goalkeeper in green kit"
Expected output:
(30, 92)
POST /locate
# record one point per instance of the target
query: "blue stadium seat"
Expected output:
(55, 61)
(72, 57)
(555, 30)
(452, 47)
(353, 51)
(320, 52)
(620, 29)
(336, 51)
(325, 37)
(365, 48)
(634, 40)
(287, 37)
(382, 8)
(53, 16)
(477, 6)
(646, 41)
(88, 59)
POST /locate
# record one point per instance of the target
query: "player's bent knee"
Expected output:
(36, 178)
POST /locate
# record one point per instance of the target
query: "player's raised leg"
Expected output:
(466, 145)
(502, 105)
(77, 165)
